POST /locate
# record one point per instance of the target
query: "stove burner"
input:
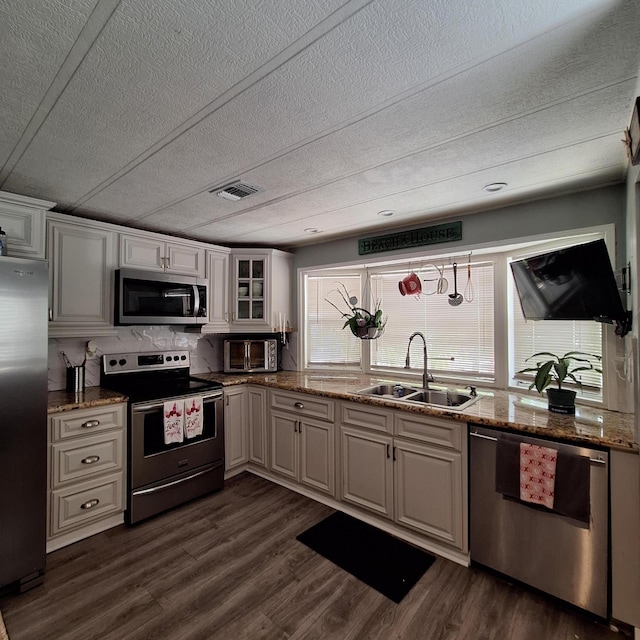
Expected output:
(151, 376)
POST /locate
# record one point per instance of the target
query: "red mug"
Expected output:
(410, 285)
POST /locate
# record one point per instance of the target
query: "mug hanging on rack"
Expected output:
(410, 285)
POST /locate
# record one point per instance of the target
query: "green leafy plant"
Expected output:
(358, 319)
(558, 368)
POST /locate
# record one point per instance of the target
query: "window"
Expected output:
(460, 339)
(486, 340)
(557, 336)
(325, 342)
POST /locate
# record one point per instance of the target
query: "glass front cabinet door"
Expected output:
(250, 287)
(260, 291)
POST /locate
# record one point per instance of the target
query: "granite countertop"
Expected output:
(91, 397)
(494, 408)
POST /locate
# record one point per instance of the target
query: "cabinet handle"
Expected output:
(394, 453)
(50, 314)
(388, 452)
(298, 405)
(227, 401)
(168, 263)
(295, 426)
(90, 423)
(90, 460)
(90, 504)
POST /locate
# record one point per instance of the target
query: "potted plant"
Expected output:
(364, 324)
(557, 369)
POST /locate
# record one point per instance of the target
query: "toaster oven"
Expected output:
(250, 356)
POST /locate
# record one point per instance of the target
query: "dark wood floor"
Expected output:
(229, 566)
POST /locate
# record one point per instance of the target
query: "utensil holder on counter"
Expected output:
(75, 379)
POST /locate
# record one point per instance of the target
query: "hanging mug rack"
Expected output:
(411, 284)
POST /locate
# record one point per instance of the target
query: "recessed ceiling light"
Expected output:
(386, 213)
(312, 230)
(494, 186)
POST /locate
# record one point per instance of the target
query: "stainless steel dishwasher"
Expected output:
(557, 554)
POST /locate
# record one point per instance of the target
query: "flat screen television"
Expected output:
(575, 283)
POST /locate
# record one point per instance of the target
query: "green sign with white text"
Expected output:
(415, 238)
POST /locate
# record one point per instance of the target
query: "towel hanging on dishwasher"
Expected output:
(572, 494)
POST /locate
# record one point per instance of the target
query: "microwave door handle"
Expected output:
(196, 301)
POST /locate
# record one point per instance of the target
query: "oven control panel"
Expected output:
(150, 361)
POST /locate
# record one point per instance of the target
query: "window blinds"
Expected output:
(460, 339)
(326, 342)
(556, 336)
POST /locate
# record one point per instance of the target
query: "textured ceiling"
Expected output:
(131, 111)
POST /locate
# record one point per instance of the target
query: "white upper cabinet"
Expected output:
(218, 276)
(23, 220)
(260, 289)
(156, 253)
(81, 257)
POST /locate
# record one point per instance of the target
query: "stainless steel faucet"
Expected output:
(426, 376)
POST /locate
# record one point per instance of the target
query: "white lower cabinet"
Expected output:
(302, 447)
(428, 490)
(257, 425)
(407, 468)
(367, 470)
(245, 427)
(236, 452)
(86, 472)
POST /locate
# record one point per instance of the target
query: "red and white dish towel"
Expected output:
(193, 411)
(537, 474)
(173, 413)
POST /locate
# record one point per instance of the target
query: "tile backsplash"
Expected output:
(206, 352)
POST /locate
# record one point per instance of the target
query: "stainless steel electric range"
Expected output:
(162, 475)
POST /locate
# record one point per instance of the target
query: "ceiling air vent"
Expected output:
(236, 191)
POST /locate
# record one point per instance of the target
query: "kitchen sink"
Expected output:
(442, 398)
(394, 390)
(445, 398)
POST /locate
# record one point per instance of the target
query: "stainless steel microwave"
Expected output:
(147, 297)
(245, 356)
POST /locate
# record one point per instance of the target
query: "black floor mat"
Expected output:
(385, 563)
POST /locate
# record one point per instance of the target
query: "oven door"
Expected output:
(151, 460)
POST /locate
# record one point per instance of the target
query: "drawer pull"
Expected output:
(90, 504)
(298, 405)
(90, 459)
(90, 423)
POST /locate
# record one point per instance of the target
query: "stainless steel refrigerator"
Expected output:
(23, 421)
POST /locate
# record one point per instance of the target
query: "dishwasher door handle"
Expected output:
(475, 434)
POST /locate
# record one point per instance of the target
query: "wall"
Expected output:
(625, 477)
(632, 233)
(205, 352)
(492, 228)
(504, 226)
